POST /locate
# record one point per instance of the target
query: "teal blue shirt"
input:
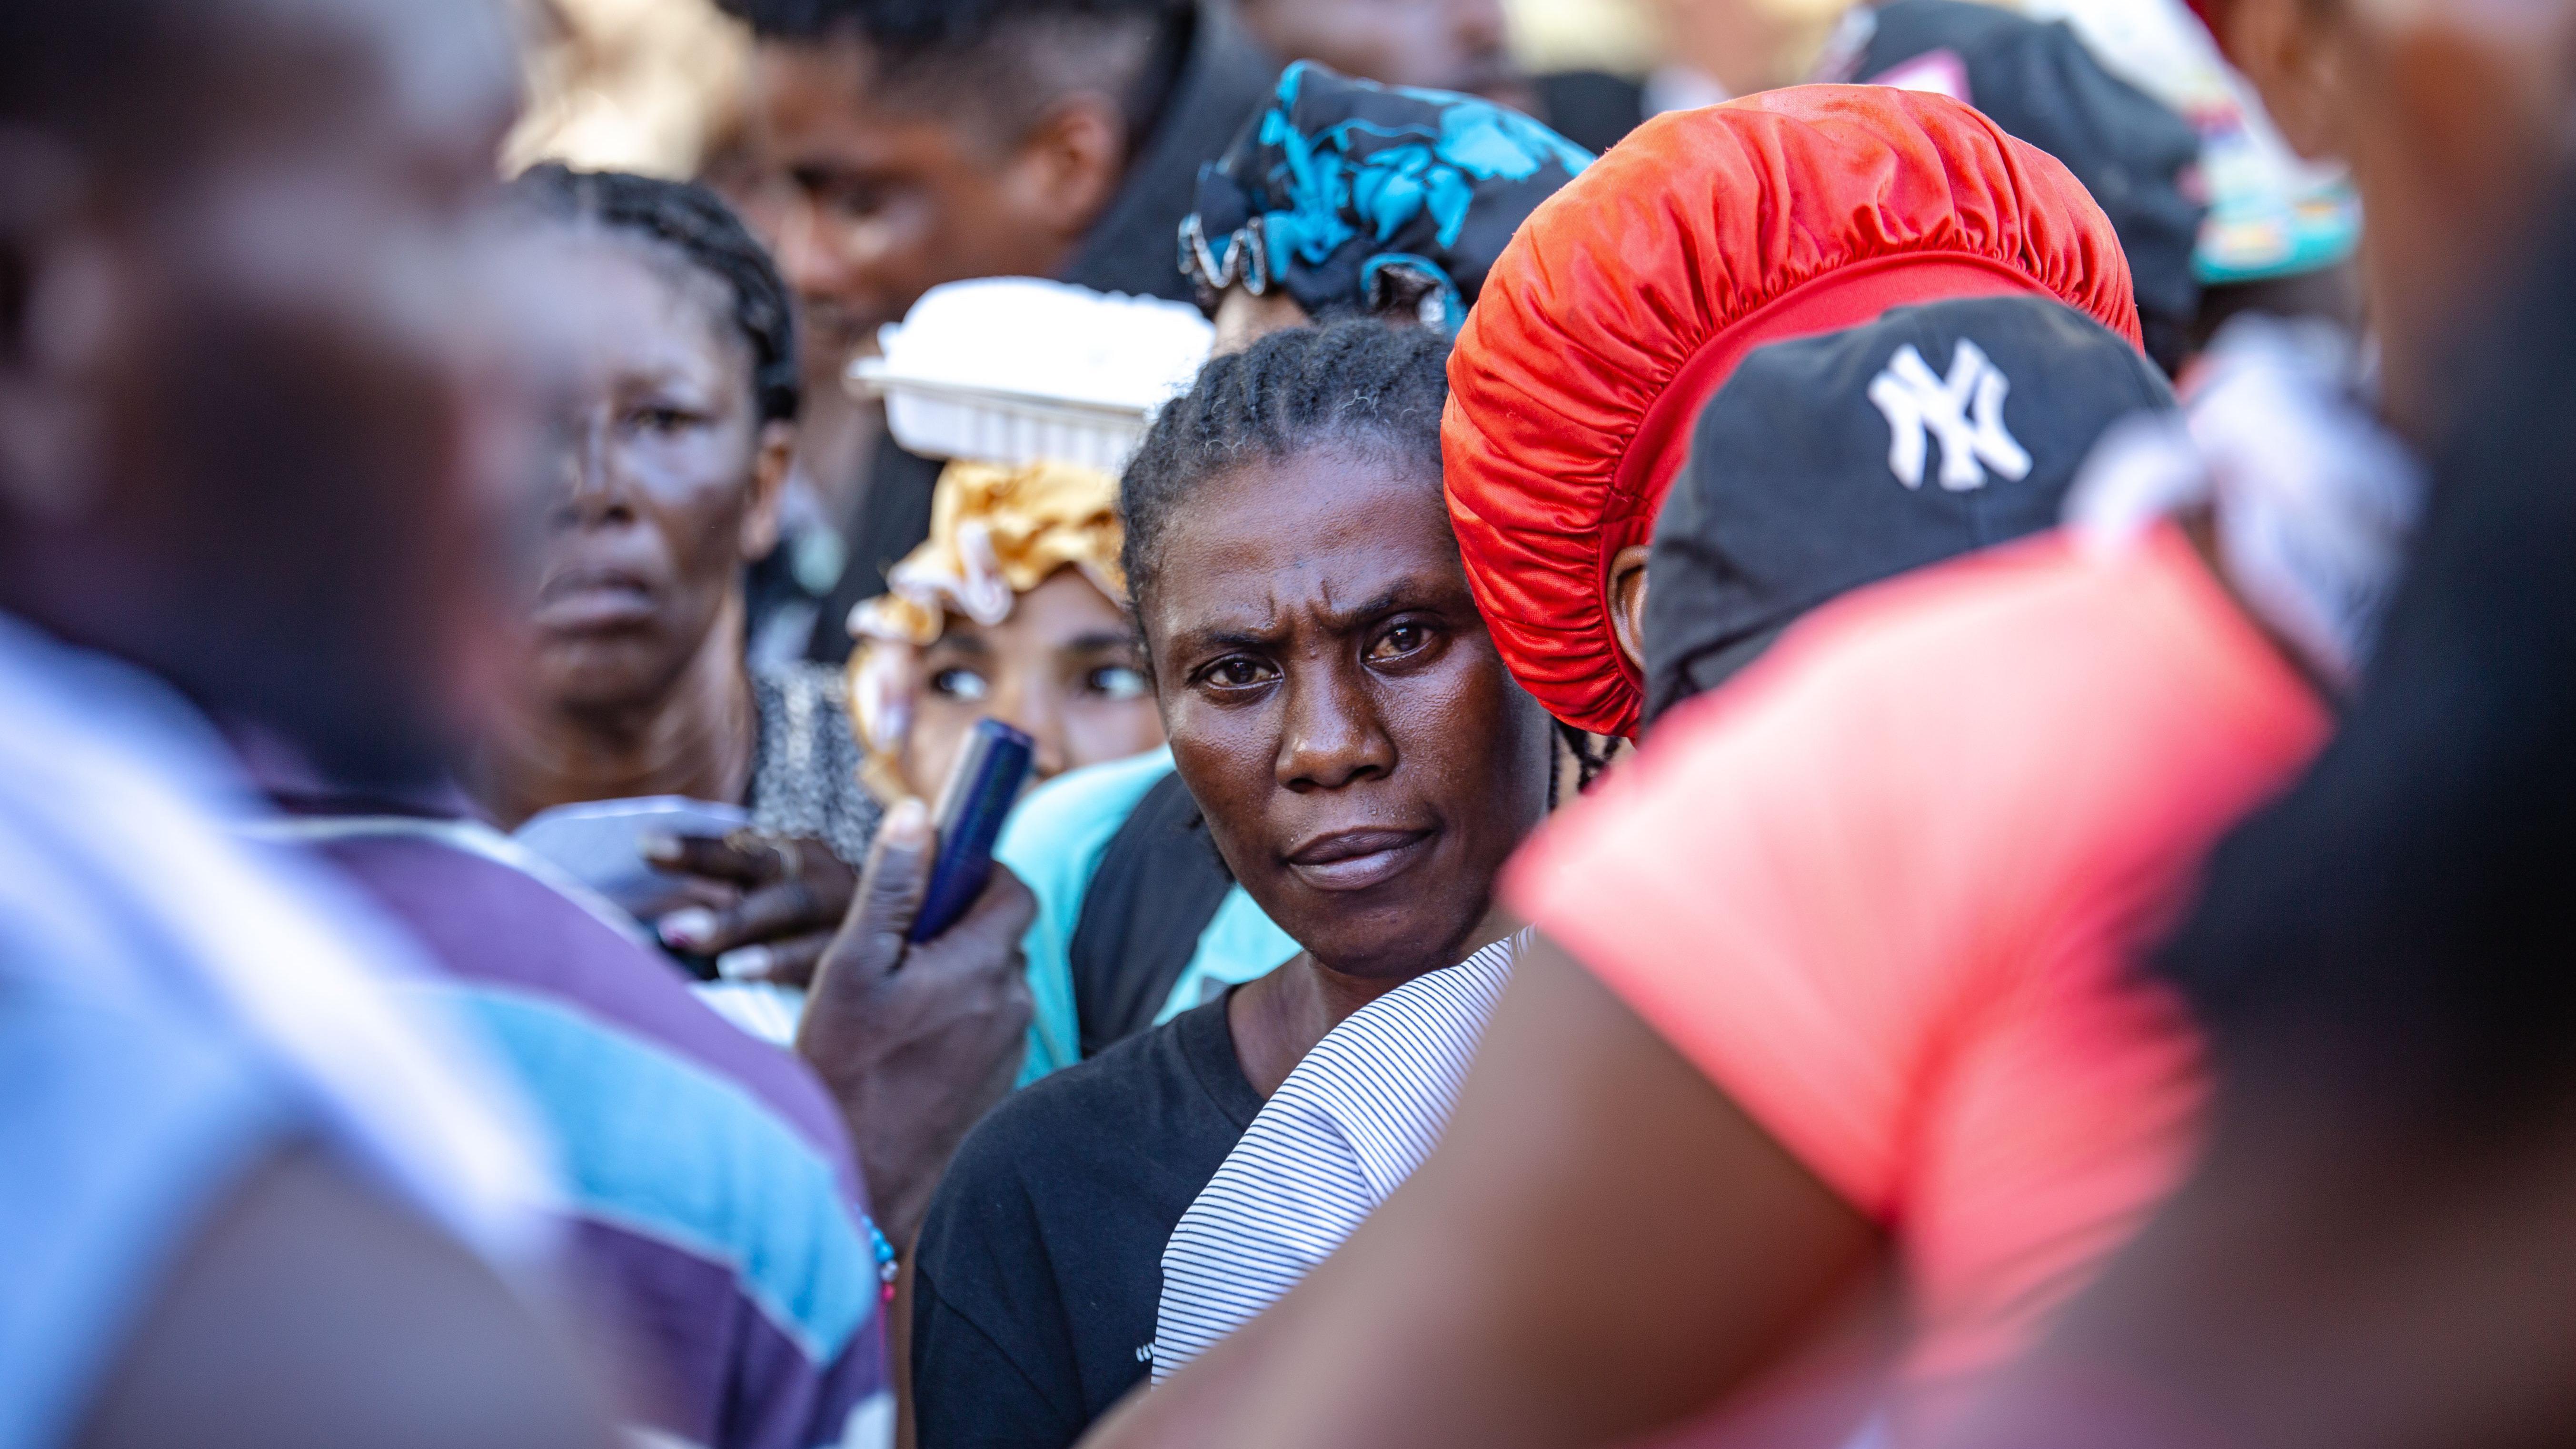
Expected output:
(1054, 842)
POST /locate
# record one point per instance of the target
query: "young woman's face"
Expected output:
(1063, 667)
(672, 484)
(1364, 761)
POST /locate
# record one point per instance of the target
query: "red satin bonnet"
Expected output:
(1628, 297)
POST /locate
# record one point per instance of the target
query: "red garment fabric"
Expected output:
(1629, 296)
(1887, 889)
(2212, 13)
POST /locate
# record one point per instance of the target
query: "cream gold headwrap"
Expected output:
(996, 532)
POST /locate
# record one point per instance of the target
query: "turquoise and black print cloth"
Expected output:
(1353, 195)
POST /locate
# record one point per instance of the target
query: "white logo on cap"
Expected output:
(1965, 411)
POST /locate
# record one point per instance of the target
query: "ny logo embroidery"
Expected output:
(1965, 411)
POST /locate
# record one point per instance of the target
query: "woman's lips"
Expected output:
(1354, 860)
(577, 603)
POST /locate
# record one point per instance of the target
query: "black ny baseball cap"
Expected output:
(1830, 462)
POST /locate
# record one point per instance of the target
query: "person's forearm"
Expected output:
(1194, 1406)
(1601, 1245)
(916, 1041)
(905, 1128)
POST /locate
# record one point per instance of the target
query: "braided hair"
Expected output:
(1355, 385)
(694, 224)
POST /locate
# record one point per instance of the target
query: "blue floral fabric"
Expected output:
(1353, 195)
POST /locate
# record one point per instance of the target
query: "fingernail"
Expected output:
(688, 928)
(744, 963)
(908, 824)
(661, 849)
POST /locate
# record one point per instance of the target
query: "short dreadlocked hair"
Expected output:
(695, 225)
(1358, 385)
(1009, 57)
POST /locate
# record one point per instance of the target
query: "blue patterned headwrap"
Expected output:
(1352, 195)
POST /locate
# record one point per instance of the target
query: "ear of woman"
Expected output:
(1628, 603)
(770, 468)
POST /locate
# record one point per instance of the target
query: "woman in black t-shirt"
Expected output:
(1364, 764)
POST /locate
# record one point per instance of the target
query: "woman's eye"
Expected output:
(1116, 681)
(963, 684)
(1399, 641)
(663, 419)
(1235, 673)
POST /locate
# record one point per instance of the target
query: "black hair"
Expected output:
(1358, 385)
(1016, 56)
(926, 25)
(138, 81)
(696, 225)
(114, 70)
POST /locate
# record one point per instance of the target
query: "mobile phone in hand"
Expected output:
(981, 789)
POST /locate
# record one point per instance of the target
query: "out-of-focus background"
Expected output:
(655, 86)
(651, 85)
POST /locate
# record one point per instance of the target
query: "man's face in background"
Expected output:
(882, 196)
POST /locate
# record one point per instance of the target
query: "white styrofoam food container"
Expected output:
(1017, 369)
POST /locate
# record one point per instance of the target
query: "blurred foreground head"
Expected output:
(246, 405)
(2453, 114)
(2374, 1250)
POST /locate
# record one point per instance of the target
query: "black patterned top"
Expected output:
(805, 764)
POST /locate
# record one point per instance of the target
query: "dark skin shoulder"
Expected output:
(1603, 1244)
(1364, 761)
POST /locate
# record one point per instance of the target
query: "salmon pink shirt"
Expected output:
(1889, 887)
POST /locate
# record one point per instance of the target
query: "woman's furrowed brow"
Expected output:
(1387, 601)
(1409, 594)
(1219, 640)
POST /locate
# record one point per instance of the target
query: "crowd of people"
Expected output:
(1849, 744)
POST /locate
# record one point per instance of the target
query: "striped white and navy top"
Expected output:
(1355, 1118)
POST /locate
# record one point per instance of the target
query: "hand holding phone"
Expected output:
(982, 787)
(920, 1007)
